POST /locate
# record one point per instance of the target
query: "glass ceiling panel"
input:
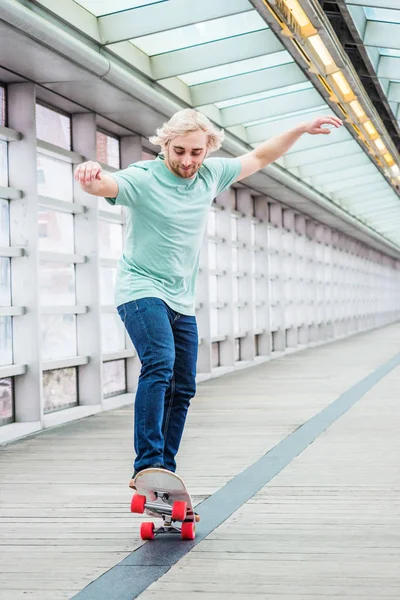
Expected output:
(286, 115)
(200, 33)
(312, 159)
(357, 158)
(237, 68)
(99, 8)
(389, 52)
(270, 94)
(382, 14)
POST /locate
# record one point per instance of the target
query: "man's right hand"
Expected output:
(93, 181)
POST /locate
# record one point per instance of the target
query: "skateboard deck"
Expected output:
(163, 494)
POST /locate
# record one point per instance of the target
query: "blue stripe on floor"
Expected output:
(153, 559)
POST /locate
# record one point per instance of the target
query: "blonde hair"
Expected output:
(183, 122)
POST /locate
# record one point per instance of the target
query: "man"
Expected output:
(167, 202)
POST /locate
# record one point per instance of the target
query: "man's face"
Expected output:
(185, 154)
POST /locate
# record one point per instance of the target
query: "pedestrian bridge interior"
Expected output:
(298, 293)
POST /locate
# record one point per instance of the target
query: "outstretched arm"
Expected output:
(274, 148)
(93, 181)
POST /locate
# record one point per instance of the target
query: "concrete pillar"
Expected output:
(204, 360)
(246, 283)
(24, 232)
(131, 152)
(90, 379)
(225, 284)
(262, 257)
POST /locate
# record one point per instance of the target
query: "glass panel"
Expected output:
(54, 178)
(56, 284)
(214, 321)
(253, 233)
(105, 7)
(56, 231)
(237, 68)
(389, 52)
(53, 127)
(107, 149)
(212, 227)
(6, 400)
(257, 339)
(236, 319)
(104, 205)
(212, 255)
(5, 281)
(382, 14)
(2, 106)
(114, 378)
(235, 290)
(110, 241)
(234, 259)
(237, 349)
(4, 223)
(288, 89)
(107, 284)
(200, 33)
(213, 288)
(287, 115)
(234, 228)
(112, 333)
(6, 351)
(58, 336)
(60, 389)
(3, 164)
(215, 354)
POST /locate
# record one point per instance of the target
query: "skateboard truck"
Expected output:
(169, 513)
(163, 494)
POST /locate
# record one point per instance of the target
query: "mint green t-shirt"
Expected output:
(166, 218)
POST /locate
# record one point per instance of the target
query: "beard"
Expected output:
(178, 170)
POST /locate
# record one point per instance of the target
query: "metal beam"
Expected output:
(214, 54)
(162, 16)
(248, 83)
(9, 135)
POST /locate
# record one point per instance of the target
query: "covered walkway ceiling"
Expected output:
(257, 68)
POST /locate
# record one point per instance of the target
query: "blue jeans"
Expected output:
(167, 344)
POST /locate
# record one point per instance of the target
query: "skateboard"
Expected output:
(163, 494)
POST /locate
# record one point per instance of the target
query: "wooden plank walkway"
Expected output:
(328, 524)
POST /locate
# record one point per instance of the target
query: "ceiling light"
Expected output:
(372, 132)
(388, 158)
(358, 110)
(380, 145)
(322, 52)
(343, 85)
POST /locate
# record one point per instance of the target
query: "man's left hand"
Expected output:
(316, 125)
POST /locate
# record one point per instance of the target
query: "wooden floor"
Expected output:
(327, 526)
